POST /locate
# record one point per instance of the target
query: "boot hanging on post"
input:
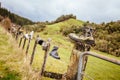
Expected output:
(40, 42)
(26, 36)
(54, 53)
(43, 43)
(31, 34)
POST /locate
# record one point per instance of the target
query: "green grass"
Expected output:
(9, 63)
(55, 28)
(102, 70)
(96, 68)
(10, 68)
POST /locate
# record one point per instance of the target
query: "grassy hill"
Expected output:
(11, 57)
(96, 69)
(14, 17)
(62, 25)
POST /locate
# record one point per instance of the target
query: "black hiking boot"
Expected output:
(54, 53)
(40, 41)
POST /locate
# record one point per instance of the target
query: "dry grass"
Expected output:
(13, 63)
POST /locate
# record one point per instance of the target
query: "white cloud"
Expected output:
(42, 10)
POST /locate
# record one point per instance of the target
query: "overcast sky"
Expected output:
(42, 10)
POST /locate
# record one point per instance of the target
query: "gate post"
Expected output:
(73, 66)
(80, 46)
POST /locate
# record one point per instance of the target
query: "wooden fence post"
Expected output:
(16, 36)
(73, 66)
(20, 41)
(24, 43)
(71, 73)
(17, 33)
(78, 48)
(45, 58)
(28, 46)
(32, 56)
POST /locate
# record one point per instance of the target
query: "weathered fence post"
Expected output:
(71, 73)
(24, 43)
(79, 47)
(45, 58)
(17, 32)
(20, 41)
(28, 45)
(16, 36)
(32, 56)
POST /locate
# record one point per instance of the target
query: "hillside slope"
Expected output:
(57, 27)
(96, 69)
(14, 17)
(10, 57)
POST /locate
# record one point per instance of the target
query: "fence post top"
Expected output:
(49, 40)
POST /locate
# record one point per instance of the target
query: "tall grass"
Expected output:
(10, 58)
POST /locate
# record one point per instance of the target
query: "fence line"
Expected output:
(81, 64)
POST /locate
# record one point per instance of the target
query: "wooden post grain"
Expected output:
(78, 48)
(71, 73)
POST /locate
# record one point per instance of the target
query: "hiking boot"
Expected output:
(85, 39)
(31, 34)
(40, 42)
(26, 36)
(54, 53)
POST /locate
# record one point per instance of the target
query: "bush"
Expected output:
(63, 18)
(36, 27)
(72, 29)
(108, 38)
